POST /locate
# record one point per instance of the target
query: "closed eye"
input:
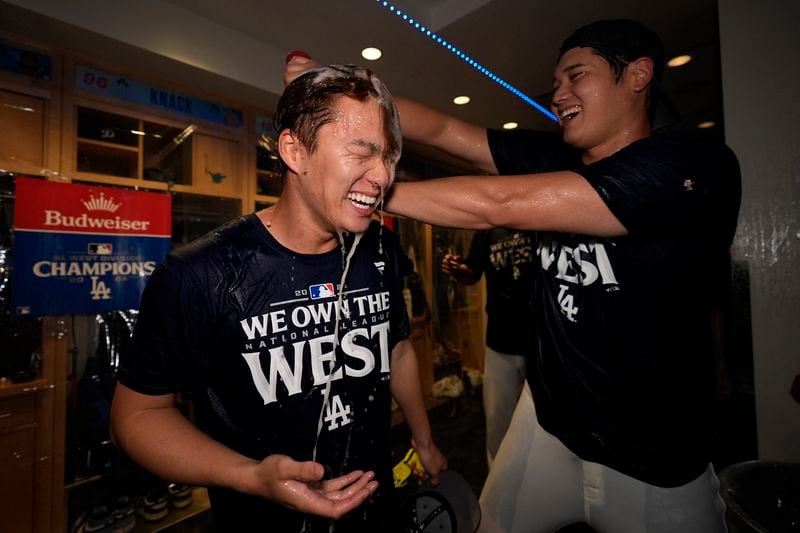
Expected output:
(363, 150)
(576, 75)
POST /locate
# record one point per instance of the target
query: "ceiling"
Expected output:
(516, 39)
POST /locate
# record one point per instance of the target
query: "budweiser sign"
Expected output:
(85, 249)
(78, 208)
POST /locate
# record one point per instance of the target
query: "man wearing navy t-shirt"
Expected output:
(287, 330)
(633, 231)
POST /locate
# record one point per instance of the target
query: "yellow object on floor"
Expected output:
(403, 470)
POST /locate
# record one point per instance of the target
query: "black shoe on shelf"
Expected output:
(100, 520)
(124, 516)
(153, 505)
(180, 496)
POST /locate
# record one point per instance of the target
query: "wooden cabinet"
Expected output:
(17, 457)
(22, 128)
(117, 148)
(216, 166)
(31, 444)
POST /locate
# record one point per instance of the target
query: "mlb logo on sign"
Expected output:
(101, 248)
(323, 290)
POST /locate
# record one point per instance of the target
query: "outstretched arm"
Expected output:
(407, 393)
(457, 137)
(552, 201)
(152, 431)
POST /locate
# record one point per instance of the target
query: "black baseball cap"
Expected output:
(623, 41)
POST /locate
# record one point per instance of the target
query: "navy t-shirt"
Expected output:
(505, 257)
(245, 328)
(622, 370)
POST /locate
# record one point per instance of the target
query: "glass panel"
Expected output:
(107, 160)
(107, 127)
(263, 205)
(268, 177)
(20, 338)
(167, 154)
(21, 128)
(107, 143)
(96, 341)
(269, 183)
(266, 159)
(194, 215)
(457, 308)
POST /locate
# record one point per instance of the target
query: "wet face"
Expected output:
(345, 178)
(593, 108)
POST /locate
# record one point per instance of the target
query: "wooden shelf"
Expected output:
(107, 158)
(84, 481)
(8, 389)
(106, 144)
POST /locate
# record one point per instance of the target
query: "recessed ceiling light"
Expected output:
(707, 124)
(679, 61)
(371, 53)
(510, 125)
(461, 100)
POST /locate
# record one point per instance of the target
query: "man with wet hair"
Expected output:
(287, 330)
(632, 237)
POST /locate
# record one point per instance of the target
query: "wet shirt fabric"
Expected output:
(244, 327)
(505, 257)
(622, 370)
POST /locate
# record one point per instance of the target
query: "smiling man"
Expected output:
(288, 331)
(632, 237)
(633, 232)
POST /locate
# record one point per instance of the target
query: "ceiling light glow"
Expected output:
(371, 53)
(510, 125)
(461, 100)
(707, 124)
(467, 59)
(679, 61)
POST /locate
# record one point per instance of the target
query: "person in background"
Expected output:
(633, 229)
(505, 257)
(287, 330)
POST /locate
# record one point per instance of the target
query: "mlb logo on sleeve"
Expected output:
(323, 290)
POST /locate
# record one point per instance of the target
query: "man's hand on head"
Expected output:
(297, 63)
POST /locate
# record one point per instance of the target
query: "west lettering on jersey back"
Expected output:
(582, 264)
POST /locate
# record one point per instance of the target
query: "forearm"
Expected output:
(458, 202)
(459, 138)
(407, 392)
(466, 276)
(554, 201)
(164, 442)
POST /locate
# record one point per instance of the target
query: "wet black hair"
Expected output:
(620, 41)
(308, 102)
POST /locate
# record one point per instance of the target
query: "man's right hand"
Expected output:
(296, 66)
(451, 264)
(299, 486)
